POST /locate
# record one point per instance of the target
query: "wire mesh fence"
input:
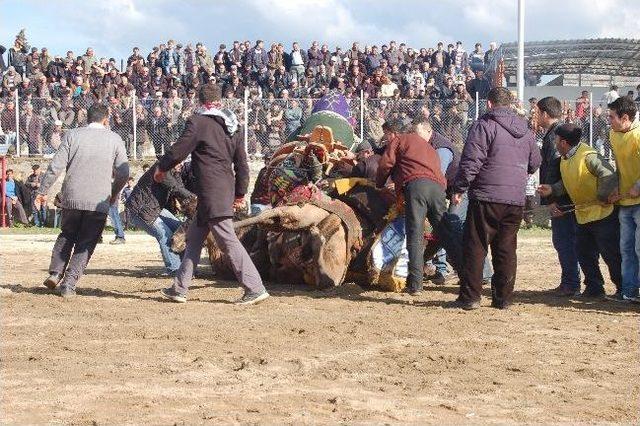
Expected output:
(149, 126)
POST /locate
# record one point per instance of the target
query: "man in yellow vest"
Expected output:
(589, 180)
(625, 144)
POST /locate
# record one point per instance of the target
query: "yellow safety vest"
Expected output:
(582, 186)
(626, 148)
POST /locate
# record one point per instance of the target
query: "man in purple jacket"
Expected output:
(498, 156)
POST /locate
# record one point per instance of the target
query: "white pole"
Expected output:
(135, 127)
(17, 109)
(591, 119)
(477, 105)
(246, 121)
(361, 115)
(521, 50)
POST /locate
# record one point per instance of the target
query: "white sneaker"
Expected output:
(250, 298)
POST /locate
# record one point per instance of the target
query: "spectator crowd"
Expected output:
(55, 90)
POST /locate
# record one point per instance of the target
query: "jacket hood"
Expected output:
(508, 119)
(228, 117)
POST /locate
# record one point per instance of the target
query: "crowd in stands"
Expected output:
(55, 90)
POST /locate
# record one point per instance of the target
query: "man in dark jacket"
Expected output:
(221, 174)
(146, 208)
(563, 224)
(498, 156)
(415, 169)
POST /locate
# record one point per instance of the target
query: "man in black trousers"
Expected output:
(90, 155)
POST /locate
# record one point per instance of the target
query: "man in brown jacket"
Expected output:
(414, 167)
(216, 146)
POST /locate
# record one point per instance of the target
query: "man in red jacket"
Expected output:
(414, 167)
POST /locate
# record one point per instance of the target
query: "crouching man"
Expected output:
(146, 209)
(589, 180)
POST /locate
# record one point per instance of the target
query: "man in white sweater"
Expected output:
(91, 156)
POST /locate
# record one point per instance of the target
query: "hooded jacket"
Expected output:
(218, 159)
(498, 156)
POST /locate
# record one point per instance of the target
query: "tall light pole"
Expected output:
(521, 50)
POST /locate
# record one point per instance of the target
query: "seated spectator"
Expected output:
(15, 197)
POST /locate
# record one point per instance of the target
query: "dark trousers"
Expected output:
(595, 239)
(76, 242)
(563, 236)
(425, 199)
(527, 214)
(490, 225)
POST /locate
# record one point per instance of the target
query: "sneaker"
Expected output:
(250, 298)
(117, 241)
(500, 305)
(67, 292)
(621, 298)
(467, 306)
(413, 291)
(173, 295)
(52, 281)
(438, 278)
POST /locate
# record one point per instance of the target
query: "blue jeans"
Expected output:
(39, 215)
(630, 249)
(456, 216)
(563, 236)
(114, 215)
(162, 230)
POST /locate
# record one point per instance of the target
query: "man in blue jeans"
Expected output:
(625, 143)
(563, 224)
(146, 210)
(116, 222)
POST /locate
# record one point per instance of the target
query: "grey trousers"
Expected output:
(226, 238)
(76, 242)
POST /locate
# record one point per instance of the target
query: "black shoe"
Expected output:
(173, 295)
(438, 278)
(67, 292)
(250, 298)
(621, 298)
(413, 291)
(501, 305)
(52, 281)
(593, 294)
(467, 306)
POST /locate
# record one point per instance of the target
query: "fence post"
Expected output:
(17, 109)
(591, 119)
(361, 115)
(246, 121)
(477, 105)
(135, 126)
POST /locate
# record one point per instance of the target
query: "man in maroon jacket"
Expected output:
(498, 156)
(215, 142)
(414, 167)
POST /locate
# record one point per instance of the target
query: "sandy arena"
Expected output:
(119, 354)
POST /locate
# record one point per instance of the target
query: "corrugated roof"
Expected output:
(610, 56)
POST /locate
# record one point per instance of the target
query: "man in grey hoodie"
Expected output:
(90, 155)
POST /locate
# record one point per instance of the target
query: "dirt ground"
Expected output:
(119, 354)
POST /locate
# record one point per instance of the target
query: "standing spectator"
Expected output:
(88, 61)
(2, 64)
(39, 210)
(292, 118)
(529, 200)
(583, 106)
(10, 81)
(31, 125)
(8, 122)
(489, 54)
(625, 143)
(124, 196)
(297, 61)
(479, 85)
(589, 180)
(214, 134)
(14, 199)
(548, 112)
(499, 154)
(88, 152)
(158, 129)
(476, 59)
(611, 95)
(17, 57)
(459, 58)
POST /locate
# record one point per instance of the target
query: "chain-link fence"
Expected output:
(148, 126)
